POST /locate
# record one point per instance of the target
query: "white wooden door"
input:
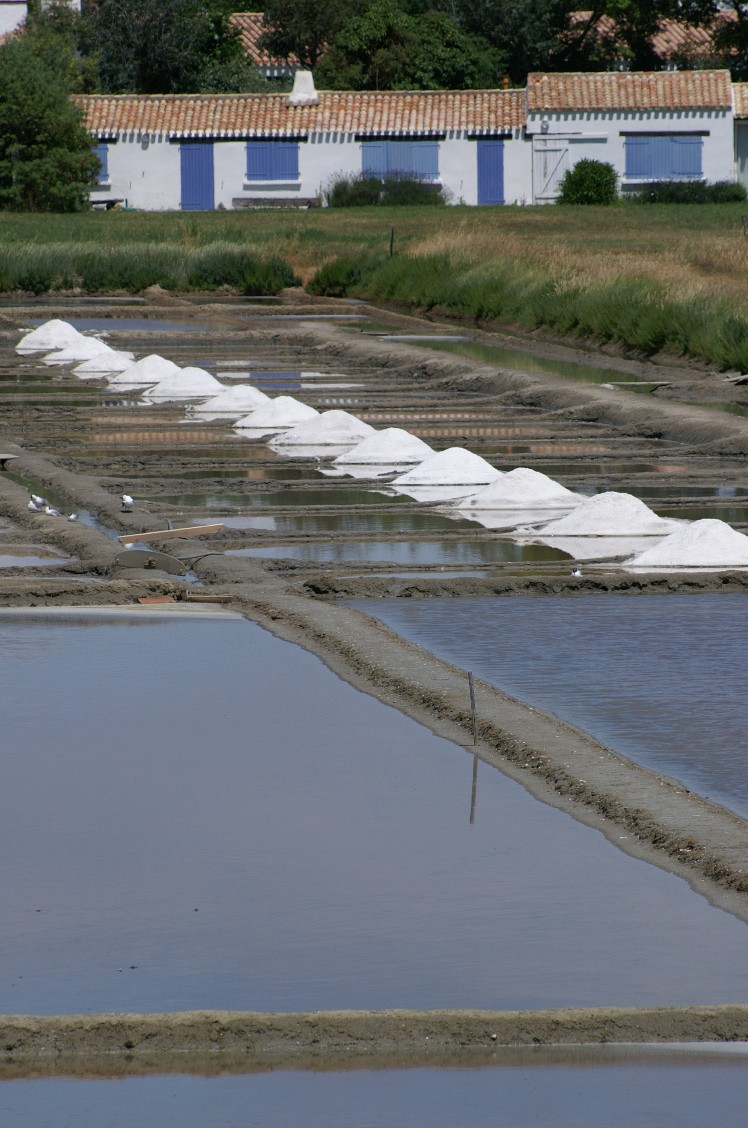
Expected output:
(550, 160)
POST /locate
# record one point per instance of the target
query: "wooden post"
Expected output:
(392, 239)
(472, 707)
(745, 228)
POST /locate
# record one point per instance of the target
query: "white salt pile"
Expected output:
(279, 414)
(234, 402)
(392, 446)
(187, 383)
(452, 467)
(703, 544)
(610, 514)
(85, 348)
(331, 428)
(104, 364)
(54, 334)
(149, 370)
(523, 489)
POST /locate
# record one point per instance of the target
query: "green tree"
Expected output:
(387, 49)
(160, 46)
(52, 31)
(46, 157)
(303, 28)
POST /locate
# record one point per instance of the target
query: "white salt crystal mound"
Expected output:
(187, 383)
(150, 370)
(331, 428)
(279, 414)
(523, 489)
(702, 544)
(104, 364)
(54, 334)
(85, 348)
(392, 446)
(610, 515)
(452, 467)
(234, 402)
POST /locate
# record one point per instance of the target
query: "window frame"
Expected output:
(389, 146)
(276, 148)
(642, 166)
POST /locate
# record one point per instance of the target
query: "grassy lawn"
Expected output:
(695, 248)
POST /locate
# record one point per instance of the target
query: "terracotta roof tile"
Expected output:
(250, 30)
(403, 113)
(740, 99)
(673, 39)
(651, 90)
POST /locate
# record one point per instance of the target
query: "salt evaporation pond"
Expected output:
(160, 766)
(658, 678)
(409, 552)
(582, 1087)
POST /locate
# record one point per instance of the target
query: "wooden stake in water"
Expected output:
(472, 706)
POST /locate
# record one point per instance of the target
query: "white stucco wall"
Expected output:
(143, 170)
(600, 136)
(518, 170)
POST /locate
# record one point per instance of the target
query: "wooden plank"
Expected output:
(169, 534)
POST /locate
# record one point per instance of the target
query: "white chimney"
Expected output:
(303, 88)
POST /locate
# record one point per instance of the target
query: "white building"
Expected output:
(198, 152)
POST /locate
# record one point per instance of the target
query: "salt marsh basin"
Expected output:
(298, 845)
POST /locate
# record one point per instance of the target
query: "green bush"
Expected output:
(336, 278)
(364, 190)
(691, 192)
(268, 278)
(589, 182)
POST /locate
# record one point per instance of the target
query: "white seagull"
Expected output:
(33, 507)
(576, 572)
(127, 501)
(51, 511)
(39, 502)
(73, 517)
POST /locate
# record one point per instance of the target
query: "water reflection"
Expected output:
(410, 552)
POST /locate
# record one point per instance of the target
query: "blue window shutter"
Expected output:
(374, 158)
(661, 149)
(102, 152)
(490, 172)
(639, 157)
(272, 160)
(425, 159)
(687, 156)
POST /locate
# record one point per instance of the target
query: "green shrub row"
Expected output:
(134, 267)
(360, 190)
(691, 192)
(637, 312)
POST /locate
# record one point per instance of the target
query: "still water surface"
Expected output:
(685, 1093)
(660, 678)
(409, 552)
(196, 814)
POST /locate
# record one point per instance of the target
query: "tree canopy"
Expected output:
(46, 157)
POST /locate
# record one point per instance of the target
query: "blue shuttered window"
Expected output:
(406, 158)
(272, 160)
(102, 152)
(663, 158)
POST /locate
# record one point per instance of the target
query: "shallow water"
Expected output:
(658, 678)
(409, 552)
(529, 1091)
(154, 768)
(515, 358)
(349, 523)
(153, 324)
(12, 560)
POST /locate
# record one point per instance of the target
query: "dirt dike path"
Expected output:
(632, 414)
(116, 1044)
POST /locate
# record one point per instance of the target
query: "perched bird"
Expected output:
(575, 572)
(39, 502)
(127, 502)
(51, 511)
(33, 507)
(73, 517)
